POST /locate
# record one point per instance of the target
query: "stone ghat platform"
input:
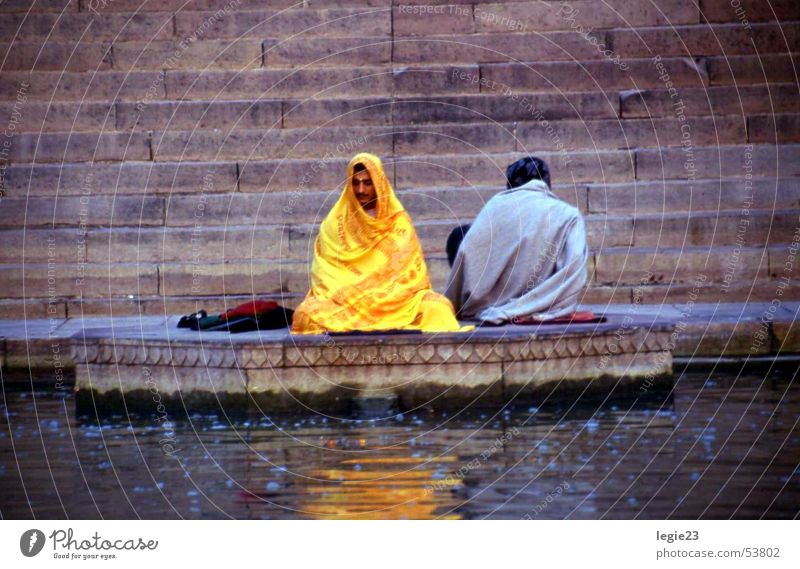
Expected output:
(125, 369)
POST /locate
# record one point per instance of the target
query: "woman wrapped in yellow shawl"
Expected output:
(368, 271)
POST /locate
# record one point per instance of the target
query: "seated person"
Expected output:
(368, 271)
(525, 255)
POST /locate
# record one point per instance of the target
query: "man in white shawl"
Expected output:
(524, 257)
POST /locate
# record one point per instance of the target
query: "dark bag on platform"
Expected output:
(248, 317)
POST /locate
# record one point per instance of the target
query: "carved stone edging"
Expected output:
(252, 355)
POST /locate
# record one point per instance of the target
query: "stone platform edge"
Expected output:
(274, 372)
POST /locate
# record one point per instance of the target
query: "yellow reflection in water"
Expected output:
(379, 491)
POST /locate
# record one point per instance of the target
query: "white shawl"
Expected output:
(525, 255)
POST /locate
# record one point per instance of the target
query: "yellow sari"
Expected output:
(369, 273)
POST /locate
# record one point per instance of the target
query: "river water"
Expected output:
(718, 446)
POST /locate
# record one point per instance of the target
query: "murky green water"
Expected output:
(715, 448)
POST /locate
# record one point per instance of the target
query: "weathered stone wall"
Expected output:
(157, 153)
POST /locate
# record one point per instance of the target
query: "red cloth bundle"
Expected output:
(251, 308)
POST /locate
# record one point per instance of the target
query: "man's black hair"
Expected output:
(454, 241)
(526, 169)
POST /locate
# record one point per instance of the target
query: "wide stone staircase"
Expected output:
(159, 156)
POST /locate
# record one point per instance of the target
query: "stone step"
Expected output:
(128, 177)
(230, 243)
(208, 243)
(92, 25)
(303, 175)
(780, 99)
(675, 196)
(276, 143)
(492, 47)
(576, 167)
(137, 304)
(181, 245)
(361, 111)
(599, 295)
(621, 266)
(435, 171)
(448, 205)
(246, 277)
(57, 280)
(321, 51)
(320, 82)
(199, 115)
(43, 55)
(92, 211)
(667, 41)
(706, 39)
(141, 279)
(691, 292)
(170, 279)
(39, 6)
(538, 135)
(751, 10)
(539, 16)
(456, 205)
(496, 15)
(348, 81)
(429, 80)
(235, 23)
(82, 86)
(292, 113)
(79, 212)
(293, 143)
(745, 228)
(724, 161)
(179, 305)
(576, 76)
(41, 116)
(739, 265)
(65, 148)
(714, 100)
(774, 129)
(380, 111)
(255, 52)
(447, 139)
(214, 5)
(177, 54)
(751, 70)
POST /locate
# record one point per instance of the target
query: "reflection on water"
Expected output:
(716, 448)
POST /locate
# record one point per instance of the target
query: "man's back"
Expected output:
(525, 254)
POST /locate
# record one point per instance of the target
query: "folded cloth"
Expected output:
(280, 317)
(247, 317)
(251, 308)
(582, 317)
(208, 322)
